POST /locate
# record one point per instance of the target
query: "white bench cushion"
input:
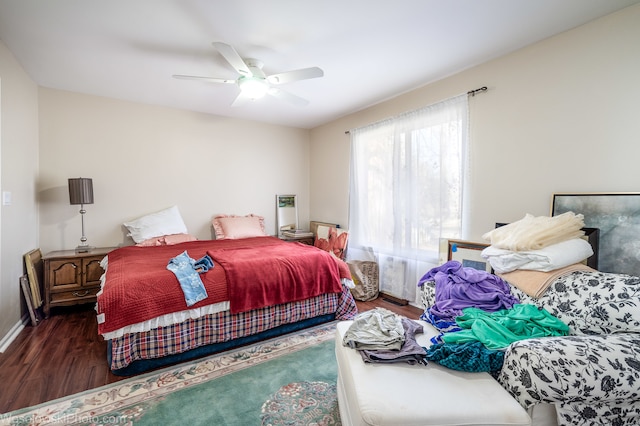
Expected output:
(408, 395)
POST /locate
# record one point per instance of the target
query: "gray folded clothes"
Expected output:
(411, 352)
(378, 328)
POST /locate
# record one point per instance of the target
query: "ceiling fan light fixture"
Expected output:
(253, 82)
(253, 88)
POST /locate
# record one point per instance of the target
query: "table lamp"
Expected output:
(81, 192)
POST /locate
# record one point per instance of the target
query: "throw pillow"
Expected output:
(231, 227)
(164, 222)
(333, 240)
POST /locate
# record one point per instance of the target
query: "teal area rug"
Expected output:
(288, 380)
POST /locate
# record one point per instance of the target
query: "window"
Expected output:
(407, 182)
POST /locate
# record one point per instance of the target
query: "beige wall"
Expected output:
(19, 169)
(559, 116)
(145, 158)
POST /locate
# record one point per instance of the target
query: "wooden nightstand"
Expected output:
(303, 240)
(72, 278)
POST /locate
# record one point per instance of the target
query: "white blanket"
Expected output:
(534, 233)
(555, 256)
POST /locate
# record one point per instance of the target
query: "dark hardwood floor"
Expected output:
(65, 355)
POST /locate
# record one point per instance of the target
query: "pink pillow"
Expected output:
(331, 239)
(230, 227)
(167, 240)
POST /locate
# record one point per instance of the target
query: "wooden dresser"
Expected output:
(72, 278)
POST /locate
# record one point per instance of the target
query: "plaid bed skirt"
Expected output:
(223, 327)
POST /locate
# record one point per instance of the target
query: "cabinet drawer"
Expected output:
(79, 295)
(64, 274)
(92, 270)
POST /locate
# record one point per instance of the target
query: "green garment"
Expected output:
(497, 330)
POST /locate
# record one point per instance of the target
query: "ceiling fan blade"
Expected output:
(207, 79)
(240, 100)
(230, 54)
(288, 97)
(295, 75)
(255, 66)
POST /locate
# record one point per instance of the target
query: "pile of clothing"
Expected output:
(381, 336)
(533, 252)
(537, 243)
(478, 318)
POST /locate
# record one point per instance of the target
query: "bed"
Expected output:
(258, 287)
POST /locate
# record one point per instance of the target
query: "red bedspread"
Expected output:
(278, 272)
(138, 287)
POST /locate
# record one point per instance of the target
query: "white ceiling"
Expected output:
(370, 50)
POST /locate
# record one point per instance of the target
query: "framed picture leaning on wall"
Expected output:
(617, 216)
(465, 252)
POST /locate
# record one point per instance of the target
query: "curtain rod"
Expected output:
(476, 91)
(470, 93)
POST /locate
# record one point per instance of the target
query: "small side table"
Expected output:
(72, 278)
(303, 240)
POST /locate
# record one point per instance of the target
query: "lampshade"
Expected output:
(81, 191)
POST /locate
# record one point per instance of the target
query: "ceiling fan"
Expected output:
(253, 82)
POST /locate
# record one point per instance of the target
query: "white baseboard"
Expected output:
(12, 334)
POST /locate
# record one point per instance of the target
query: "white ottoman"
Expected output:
(407, 395)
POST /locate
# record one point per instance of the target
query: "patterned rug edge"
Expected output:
(88, 406)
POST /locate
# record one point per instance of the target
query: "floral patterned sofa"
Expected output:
(592, 376)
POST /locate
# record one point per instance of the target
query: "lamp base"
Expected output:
(84, 249)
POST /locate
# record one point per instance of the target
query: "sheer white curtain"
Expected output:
(406, 191)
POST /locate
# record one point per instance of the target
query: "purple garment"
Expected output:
(459, 287)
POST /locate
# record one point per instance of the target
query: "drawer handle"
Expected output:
(80, 294)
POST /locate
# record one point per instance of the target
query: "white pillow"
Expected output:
(550, 258)
(165, 222)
